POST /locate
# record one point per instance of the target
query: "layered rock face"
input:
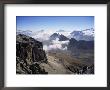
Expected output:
(29, 55)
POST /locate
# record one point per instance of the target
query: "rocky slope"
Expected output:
(82, 50)
(29, 55)
(81, 45)
(32, 59)
(60, 62)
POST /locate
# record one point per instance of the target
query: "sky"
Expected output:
(67, 23)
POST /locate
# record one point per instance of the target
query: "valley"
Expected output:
(62, 62)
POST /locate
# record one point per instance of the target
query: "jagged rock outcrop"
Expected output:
(29, 55)
(54, 36)
(61, 37)
(82, 69)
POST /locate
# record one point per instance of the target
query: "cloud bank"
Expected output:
(56, 44)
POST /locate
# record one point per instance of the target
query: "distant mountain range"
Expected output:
(87, 35)
(42, 35)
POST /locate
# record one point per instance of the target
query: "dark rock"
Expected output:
(81, 70)
(63, 38)
(54, 36)
(29, 52)
(60, 37)
(81, 44)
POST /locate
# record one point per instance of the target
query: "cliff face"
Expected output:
(29, 55)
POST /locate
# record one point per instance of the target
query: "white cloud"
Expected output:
(56, 44)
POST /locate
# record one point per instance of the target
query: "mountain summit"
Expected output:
(61, 37)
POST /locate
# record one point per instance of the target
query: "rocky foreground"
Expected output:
(32, 59)
(29, 55)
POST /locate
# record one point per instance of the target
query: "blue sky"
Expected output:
(67, 23)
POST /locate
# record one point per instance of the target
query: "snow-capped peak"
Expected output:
(63, 32)
(87, 34)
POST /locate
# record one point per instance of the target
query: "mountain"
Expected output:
(54, 36)
(29, 53)
(42, 35)
(63, 32)
(89, 32)
(82, 50)
(87, 35)
(61, 37)
(80, 45)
